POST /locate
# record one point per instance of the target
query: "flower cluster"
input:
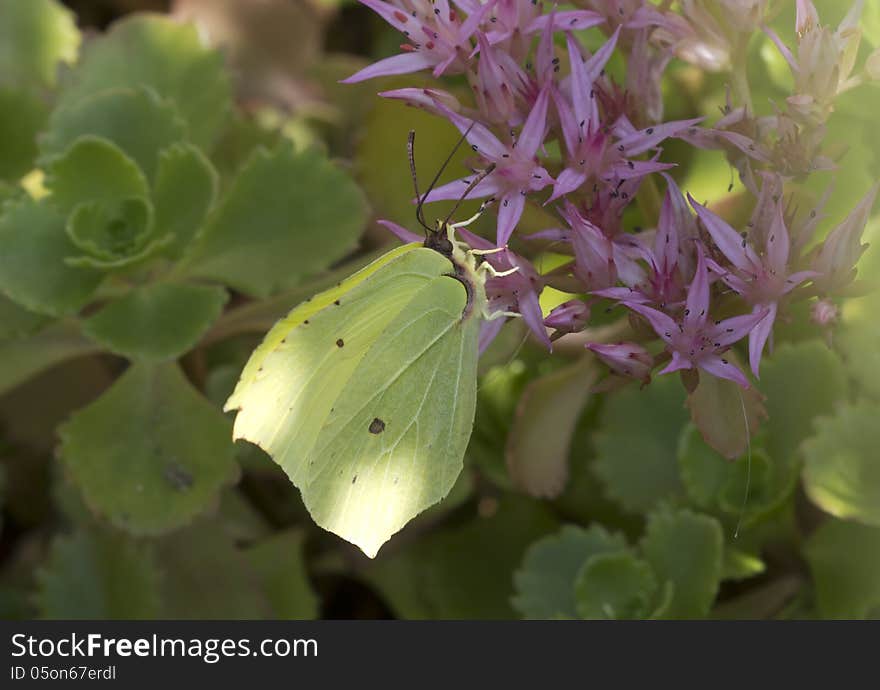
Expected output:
(555, 129)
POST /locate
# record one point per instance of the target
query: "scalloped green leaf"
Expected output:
(288, 216)
(170, 58)
(151, 453)
(35, 36)
(184, 191)
(206, 576)
(841, 469)
(637, 444)
(615, 586)
(703, 471)
(22, 117)
(544, 581)
(801, 382)
(844, 559)
(716, 484)
(98, 574)
(110, 233)
(435, 577)
(280, 564)
(136, 120)
(686, 549)
(94, 169)
(160, 321)
(33, 272)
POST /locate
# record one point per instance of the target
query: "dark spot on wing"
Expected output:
(340, 342)
(306, 322)
(336, 302)
(354, 479)
(377, 426)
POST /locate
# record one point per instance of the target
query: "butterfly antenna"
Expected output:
(410, 154)
(479, 178)
(419, 211)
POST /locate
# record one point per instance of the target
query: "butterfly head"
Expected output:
(441, 239)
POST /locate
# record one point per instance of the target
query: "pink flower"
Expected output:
(835, 260)
(596, 153)
(824, 61)
(670, 260)
(517, 171)
(600, 261)
(568, 317)
(437, 37)
(694, 341)
(762, 275)
(511, 23)
(626, 359)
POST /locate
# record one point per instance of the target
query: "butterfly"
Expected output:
(365, 393)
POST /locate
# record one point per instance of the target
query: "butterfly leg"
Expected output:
(486, 267)
(473, 218)
(492, 316)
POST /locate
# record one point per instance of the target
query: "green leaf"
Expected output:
(184, 192)
(637, 444)
(287, 217)
(22, 116)
(98, 574)
(154, 51)
(435, 576)
(112, 234)
(801, 382)
(841, 471)
(16, 321)
(23, 358)
(160, 321)
(615, 586)
(33, 271)
(686, 549)
(844, 558)
(94, 169)
(35, 35)
(714, 483)
(703, 471)
(136, 120)
(151, 453)
(740, 565)
(207, 577)
(386, 178)
(498, 391)
(544, 582)
(280, 566)
(540, 439)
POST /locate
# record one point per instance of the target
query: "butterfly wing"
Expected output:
(368, 407)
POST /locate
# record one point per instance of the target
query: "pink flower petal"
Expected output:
(510, 210)
(396, 64)
(724, 370)
(727, 239)
(758, 337)
(532, 134)
(401, 232)
(646, 139)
